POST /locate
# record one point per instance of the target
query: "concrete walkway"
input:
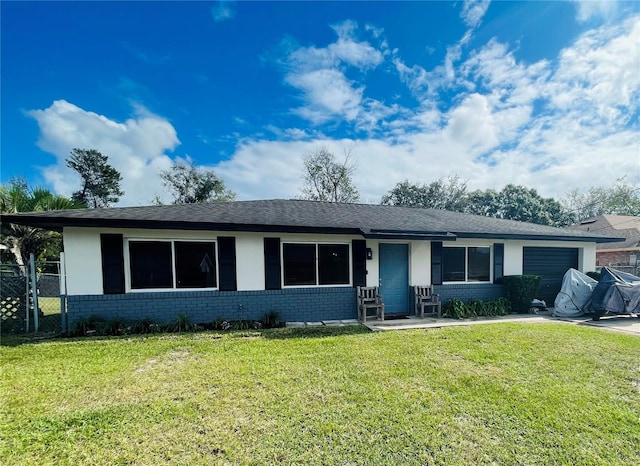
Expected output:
(626, 324)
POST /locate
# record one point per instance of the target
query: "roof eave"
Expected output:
(58, 223)
(409, 235)
(527, 236)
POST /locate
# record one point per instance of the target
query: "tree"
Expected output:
(100, 181)
(16, 196)
(450, 194)
(623, 198)
(512, 202)
(190, 184)
(328, 180)
(519, 203)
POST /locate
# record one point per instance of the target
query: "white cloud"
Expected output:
(222, 11)
(496, 68)
(427, 84)
(319, 73)
(136, 147)
(553, 125)
(345, 50)
(471, 124)
(327, 93)
(473, 11)
(587, 9)
(600, 71)
(359, 54)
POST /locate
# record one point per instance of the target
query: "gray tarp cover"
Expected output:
(574, 295)
(616, 293)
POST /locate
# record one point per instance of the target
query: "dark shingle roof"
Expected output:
(304, 216)
(626, 227)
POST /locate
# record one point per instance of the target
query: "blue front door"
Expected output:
(394, 277)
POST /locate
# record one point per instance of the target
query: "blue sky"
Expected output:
(544, 94)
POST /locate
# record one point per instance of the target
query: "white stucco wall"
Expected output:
(250, 262)
(373, 265)
(84, 267)
(420, 263)
(513, 256)
(587, 258)
(83, 262)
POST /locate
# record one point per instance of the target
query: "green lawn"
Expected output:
(49, 305)
(484, 394)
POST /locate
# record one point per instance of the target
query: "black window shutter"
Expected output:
(227, 261)
(436, 262)
(111, 246)
(272, 279)
(359, 251)
(498, 262)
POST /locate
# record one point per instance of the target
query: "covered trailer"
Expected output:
(575, 294)
(616, 293)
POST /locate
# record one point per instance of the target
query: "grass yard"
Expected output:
(49, 305)
(484, 394)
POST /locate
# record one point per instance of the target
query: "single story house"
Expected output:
(302, 259)
(624, 253)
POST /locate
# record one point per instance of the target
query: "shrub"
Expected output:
(271, 319)
(496, 307)
(181, 324)
(520, 290)
(114, 327)
(146, 325)
(242, 324)
(458, 309)
(87, 326)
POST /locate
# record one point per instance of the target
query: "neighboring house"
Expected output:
(625, 252)
(303, 259)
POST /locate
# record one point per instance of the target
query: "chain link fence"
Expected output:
(26, 305)
(49, 302)
(14, 300)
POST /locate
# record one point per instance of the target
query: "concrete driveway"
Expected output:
(625, 324)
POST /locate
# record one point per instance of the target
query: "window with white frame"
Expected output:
(466, 264)
(172, 264)
(311, 264)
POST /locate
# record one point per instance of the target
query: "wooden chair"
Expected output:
(369, 298)
(425, 297)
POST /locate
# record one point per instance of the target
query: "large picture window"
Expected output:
(466, 264)
(333, 264)
(195, 265)
(299, 264)
(151, 264)
(172, 264)
(315, 264)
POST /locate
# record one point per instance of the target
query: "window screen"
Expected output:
(453, 264)
(299, 261)
(479, 264)
(151, 264)
(195, 264)
(333, 264)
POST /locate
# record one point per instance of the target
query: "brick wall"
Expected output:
(299, 304)
(293, 304)
(615, 257)
(468, 291)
